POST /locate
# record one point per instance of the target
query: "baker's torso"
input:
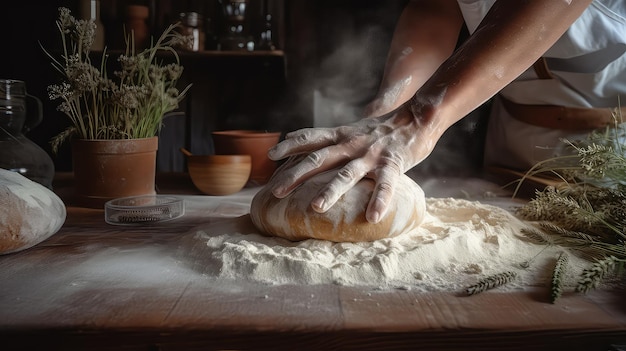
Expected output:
(588, 68)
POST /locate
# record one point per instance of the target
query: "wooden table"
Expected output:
(95, 286)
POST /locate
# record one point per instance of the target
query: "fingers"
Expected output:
(386, 177)
(316, 162)
(346, 178)
(302, 141)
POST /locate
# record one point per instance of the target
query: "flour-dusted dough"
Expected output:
(293, 218)
(29, 212)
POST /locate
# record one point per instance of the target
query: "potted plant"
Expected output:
(115, 118)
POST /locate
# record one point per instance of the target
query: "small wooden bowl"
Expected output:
(219, 174)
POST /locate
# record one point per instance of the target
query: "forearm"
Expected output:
(507, 42)
(425, 36)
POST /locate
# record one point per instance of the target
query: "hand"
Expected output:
(381, 148)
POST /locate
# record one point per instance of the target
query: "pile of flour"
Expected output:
(459, 243)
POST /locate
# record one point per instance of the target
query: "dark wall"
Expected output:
(227, 92)
(26, 26)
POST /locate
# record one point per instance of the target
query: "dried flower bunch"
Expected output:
(587, 214)
(132, 103)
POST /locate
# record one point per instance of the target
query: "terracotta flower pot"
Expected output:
(249, 142)
(109, 169)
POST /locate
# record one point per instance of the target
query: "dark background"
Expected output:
(331, 60)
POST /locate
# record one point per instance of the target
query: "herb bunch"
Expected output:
(587, 213)
(131, 103)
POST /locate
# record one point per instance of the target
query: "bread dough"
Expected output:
(293, 218)
(29, 212)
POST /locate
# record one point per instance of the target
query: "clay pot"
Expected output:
(249, 142)
(109, 169)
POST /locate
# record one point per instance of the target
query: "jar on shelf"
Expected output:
(192, 26)
(235, 32)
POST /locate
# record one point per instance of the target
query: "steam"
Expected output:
(347, 78)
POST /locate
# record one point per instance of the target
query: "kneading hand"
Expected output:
(381, 148)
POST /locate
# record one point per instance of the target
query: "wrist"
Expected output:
(426, 110)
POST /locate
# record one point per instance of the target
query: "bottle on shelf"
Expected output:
(265, 41)
(90, 10)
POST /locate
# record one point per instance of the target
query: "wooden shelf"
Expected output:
(209, 53)
(220, 53)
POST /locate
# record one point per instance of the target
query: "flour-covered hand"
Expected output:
(381, 148)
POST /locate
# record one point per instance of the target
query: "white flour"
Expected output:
(459, 242)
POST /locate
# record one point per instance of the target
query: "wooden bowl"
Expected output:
(219, 174)
(255, 143)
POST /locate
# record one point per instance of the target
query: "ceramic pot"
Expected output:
(249, 142)
(219, 174)
(109, 169)
(137, 22)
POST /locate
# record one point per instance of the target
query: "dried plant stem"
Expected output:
(129, 103)
(587, 213)
(537, 235)
(491, 282)
(558, 274)
(594, 275)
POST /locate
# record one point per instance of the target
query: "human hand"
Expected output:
(381, 148)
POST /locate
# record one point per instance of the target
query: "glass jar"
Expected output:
(18, 153)
(90, 10)
(191, 23)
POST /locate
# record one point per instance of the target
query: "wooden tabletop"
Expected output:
(96, 286)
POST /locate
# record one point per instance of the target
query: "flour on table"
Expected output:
(459, 243)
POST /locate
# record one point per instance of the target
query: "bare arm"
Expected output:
(425, 36)
(508, 41)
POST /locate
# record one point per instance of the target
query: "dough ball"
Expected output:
(293, 218)
(29, 212)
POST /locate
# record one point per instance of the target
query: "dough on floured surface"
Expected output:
(293, 218)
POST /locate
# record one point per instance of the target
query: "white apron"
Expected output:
(589, 67)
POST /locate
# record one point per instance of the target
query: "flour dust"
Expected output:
(459, 243)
